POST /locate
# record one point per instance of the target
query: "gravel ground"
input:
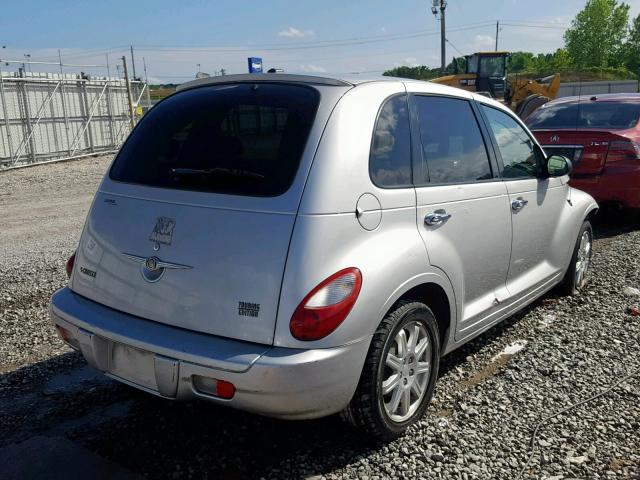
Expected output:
(490, 396)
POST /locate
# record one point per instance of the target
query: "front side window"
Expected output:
(239, 139)
(473, 63)
(452, 145)
(515, 145)
(390, 156)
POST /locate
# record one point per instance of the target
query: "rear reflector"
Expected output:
(69, 265)
(67, 337)
(621, 150)
(326, 306)
(213, 387)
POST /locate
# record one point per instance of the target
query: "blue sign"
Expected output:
(255, 64)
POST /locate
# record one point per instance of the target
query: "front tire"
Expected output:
(578, 272)
(399, 375)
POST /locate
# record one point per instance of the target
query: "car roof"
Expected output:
(604, 97)
(349, 80)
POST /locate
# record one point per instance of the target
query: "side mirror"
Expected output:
(557, 166)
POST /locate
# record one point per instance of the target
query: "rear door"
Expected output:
(535, 205)
(192, 225)
(462, 207)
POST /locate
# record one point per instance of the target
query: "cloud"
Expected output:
(484, 42)
(311, 68)
(293, 32)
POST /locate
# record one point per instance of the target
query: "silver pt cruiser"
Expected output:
(298, 246)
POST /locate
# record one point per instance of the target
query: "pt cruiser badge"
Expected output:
(163, 231)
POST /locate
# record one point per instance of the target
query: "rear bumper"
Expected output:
(273, 381)
(620, 185)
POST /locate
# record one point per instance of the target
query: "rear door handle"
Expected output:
(437, 217)
(518, 204)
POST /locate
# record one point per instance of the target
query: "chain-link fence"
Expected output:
(48, 116)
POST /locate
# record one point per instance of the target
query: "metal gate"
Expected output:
(48, 116)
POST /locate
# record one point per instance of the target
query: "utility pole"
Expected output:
(133, 63)
(146, 81)
(497, 32)
(441, 5)
(126, 79)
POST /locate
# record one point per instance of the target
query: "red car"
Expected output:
(601, 136)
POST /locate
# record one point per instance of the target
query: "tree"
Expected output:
(597, 33)
(632, 47)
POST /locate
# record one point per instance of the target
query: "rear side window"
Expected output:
(390, 157)
(452, 144)
(587, 114)
(243, 139)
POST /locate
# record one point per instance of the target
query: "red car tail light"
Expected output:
(326, 306)
(621, 150)
(69, 265)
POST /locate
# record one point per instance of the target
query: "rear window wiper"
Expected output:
(216, 171)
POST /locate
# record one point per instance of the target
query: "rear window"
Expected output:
(587, 114)
(242, 139)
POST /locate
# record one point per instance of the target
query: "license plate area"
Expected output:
(133, 365)
(572, 152)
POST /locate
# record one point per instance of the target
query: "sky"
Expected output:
(175, 36)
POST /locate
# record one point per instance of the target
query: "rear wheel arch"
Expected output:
(434, 296)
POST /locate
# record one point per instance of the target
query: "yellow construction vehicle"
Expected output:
(486, 72)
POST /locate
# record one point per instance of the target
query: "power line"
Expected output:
(533, 26)
(454, 47)
(343, 43)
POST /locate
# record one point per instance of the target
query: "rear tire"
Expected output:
(578, 272)
(530, 104)
(399, 374)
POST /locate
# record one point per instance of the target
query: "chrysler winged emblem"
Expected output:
(163, 231)
(152, 268)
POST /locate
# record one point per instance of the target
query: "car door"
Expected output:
(462, 206)
(536, 202)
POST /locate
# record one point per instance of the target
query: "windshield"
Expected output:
(242, 139)
(587, 114)
(492, 66)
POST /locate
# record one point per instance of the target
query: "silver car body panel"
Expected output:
(160, 359)
(237, 246)
(487, 259)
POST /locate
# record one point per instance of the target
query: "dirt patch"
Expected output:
(487, 372)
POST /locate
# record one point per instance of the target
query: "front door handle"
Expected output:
(518, 204)
(437, 217)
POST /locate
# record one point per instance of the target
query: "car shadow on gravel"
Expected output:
(163, 439)
(610, 222)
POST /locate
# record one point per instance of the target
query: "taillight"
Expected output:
(621, 150)
(69, 265)
(326, 306)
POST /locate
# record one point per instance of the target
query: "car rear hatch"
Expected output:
(192, 224)
(590, 132)
(586, 149)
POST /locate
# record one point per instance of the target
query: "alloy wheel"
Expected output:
(584, 259)
(406, 372)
